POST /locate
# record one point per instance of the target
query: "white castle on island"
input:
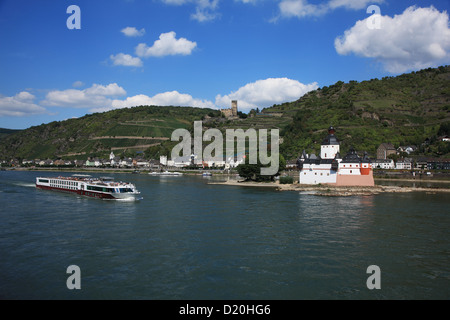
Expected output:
(330, 168)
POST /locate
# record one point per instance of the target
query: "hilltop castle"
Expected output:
(330, 168)
(232, 112)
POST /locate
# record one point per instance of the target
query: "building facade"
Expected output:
(383, 164)
(385, 150)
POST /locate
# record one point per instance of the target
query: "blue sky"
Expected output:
(202, 53)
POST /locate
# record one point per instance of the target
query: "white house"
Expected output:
(384, 164)
(180, 162)
(142, 163)
(407, 149)
(403, 165)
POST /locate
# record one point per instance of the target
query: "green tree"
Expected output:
(253, 171)
(249, 171)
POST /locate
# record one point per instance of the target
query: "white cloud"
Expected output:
(77, 84)
(416, 39)
(169, 98)
(166, 45)
(202, 15)
(22, 104)
(261, 93)
(352, 4)
(100, 98)
(265, 93)
(176, 2)
(248, 1)
(302, 8)
(112, 89)
(205, 10)
(127, 60)
(133, 32)
(93, 97)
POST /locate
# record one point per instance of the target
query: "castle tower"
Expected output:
(330, 145)
(234, 108)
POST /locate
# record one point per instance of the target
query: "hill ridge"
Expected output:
(409, 109)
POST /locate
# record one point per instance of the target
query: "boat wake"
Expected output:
(125, 199)
(24, 184)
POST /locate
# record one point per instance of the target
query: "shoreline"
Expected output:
(320, 190)
(107, 170)
(327, 190)
(193, 172)
(412, 180)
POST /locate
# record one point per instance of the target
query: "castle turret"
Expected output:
(330, 145)
(234, 108)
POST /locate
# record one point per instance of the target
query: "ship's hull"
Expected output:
(92, 194)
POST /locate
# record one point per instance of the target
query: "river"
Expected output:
(187, 239)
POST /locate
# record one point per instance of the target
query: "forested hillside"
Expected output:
(122, 131)
(410, 109)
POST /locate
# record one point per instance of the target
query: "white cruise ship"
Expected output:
(85, 185)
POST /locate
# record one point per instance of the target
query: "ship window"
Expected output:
(350, 171)
(43, 180)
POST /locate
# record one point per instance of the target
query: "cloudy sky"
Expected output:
(202, 53)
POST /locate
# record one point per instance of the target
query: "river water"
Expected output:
(187, 239)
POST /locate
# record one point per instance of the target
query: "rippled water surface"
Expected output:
(189, 240)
